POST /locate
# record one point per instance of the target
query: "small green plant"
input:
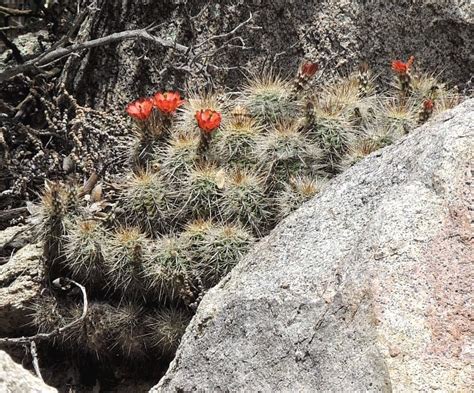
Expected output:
(269, 98)
(168, 273)
(285, 151)
(297, 191)
(125, 252)
(165, 328)
(220, 250)
(146, 202)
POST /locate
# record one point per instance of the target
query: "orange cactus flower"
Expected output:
(140, 109)
(167, 102)
(309, 68)
(428, 105)
(402, 68)
(208, 120)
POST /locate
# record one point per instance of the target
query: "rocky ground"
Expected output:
(15, 379)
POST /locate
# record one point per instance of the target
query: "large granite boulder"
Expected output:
(365, 288)
(15, 379)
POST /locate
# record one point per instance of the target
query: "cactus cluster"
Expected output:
(210, 176)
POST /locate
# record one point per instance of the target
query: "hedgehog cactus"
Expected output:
(195, 231)
(202, 193)
(196, 102)
(208, 179)
(401, 115)
(151, 126)
(48, 314)
(83, 251)
(404, 78)
(235, 144)
(179, 157)
(269, 99)
(245, 200)
(360, 149)
(53, 216)
(96, 334)
(125, 252)
(168, 271)
(146, 202)
(333, 138)
(220, 250)
(286, 151)
(165, 328)
(365, 80)
(296, 192)
(336, 112)
(52, 211)
(128, 337)
(148, 136)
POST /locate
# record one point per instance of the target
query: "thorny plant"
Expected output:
(210, 176)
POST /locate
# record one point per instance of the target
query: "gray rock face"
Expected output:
(19, 287)
(337, 33)
(15, 379)
(364, 288)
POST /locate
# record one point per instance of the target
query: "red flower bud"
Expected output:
(208, 120)
(428, 105)
(402, 68)
(140, 109)
(309, 69)
(167, 102)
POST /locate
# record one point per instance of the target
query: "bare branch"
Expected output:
(191, 63)
(14, 11)
(201, 11)
(225, 35)
(34, 355)
(80, 17)
(59, 53)
(8, 28)
(10, 45)
(46, 336)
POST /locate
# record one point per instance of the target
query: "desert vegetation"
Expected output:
(208, 174)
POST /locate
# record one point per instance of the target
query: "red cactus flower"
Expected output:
(208, 120)
(428, 105)
(402, 68)
(140, 109)
(167, 102)
(309, 69)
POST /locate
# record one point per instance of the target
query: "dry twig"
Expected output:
(31, 340)
(59, 53)
(14, 11)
